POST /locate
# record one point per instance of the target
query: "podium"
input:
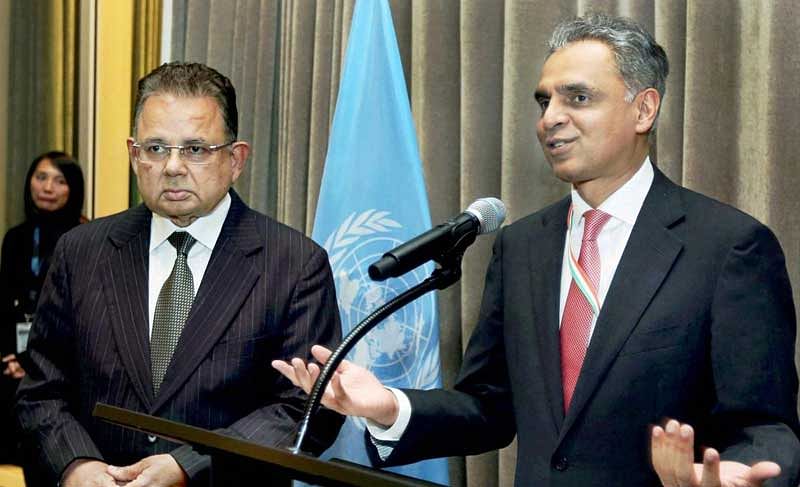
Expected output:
(240, 462)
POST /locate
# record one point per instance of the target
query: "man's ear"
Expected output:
(239, 154)
(647, 103)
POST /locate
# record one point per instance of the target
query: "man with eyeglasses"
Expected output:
(175, 307)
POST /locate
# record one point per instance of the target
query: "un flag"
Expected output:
(372, 199)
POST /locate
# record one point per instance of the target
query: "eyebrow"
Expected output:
(161, 140)
(568, 89)
(571, 88)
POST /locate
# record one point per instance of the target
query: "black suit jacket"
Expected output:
(267, 293)
(698, 325)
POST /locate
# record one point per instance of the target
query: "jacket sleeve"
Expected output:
(45, 394)
(753, 345)
(477, 416)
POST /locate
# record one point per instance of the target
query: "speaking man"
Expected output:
(628, 301)
(175, 307)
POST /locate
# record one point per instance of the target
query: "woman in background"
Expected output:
(53, 201)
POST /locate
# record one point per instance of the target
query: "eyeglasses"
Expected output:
(155, 152)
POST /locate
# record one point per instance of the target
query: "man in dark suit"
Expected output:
(629, 301)
(175, 307)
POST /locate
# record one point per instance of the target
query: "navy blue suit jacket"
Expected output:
(698, 325)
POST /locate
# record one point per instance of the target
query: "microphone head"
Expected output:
(490, 213)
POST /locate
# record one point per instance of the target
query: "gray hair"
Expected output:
(642, 63)
(190, 80)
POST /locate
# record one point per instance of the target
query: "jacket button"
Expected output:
(152, 439)
(561, 464)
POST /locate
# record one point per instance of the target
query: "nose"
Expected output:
(174, 165)
(48, 185)
(554, 116)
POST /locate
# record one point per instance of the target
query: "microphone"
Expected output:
(485, 215)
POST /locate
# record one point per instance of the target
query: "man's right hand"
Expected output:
(352, 391)
(84, 472)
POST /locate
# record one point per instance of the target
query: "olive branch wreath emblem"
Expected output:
(355, 227)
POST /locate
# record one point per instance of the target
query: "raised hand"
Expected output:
(352, 391)
(672, 451)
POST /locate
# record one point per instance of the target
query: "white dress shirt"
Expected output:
(623, 205)
(205, 230)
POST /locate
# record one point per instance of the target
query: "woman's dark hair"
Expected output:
(71, 213)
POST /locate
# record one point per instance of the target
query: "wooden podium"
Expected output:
(239, 462)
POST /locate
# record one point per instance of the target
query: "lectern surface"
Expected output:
(235, 453)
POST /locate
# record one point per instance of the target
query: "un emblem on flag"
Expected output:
(402, 351)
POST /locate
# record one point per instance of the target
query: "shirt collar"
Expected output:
(205, 229)
(623, 204)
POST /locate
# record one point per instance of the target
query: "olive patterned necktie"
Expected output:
(172, 308)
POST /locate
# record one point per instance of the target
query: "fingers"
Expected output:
(672, 451)
(763, 471)
(320, 353)
(15, 370)
(711, 476)
(302, 375)
(313, 372)
(659, 454)
(685, 471)
(286, 370)
(125, 474)
(681, 443)
(8, 358)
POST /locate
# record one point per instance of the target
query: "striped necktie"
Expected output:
(576, 322)
(172, 308)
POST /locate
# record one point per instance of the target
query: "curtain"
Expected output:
(146, 51)
(42, 98)
(728, 126)
(242, 40)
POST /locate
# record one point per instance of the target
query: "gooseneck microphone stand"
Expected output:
(447, 274)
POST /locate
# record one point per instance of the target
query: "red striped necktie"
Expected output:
(576, 322)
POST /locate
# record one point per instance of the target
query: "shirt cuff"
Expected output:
(395, 431)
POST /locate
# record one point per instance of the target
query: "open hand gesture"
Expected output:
(352, 391)
(672, 450)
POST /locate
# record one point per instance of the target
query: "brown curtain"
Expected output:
(42, 97)
(728, 127)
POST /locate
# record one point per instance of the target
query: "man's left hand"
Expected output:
(672, 450)
(154, 471)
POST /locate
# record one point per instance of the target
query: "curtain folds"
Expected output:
(727, 125)
(146, 53)
(42, 98)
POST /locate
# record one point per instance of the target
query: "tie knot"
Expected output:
(593, 222)
(182, 242)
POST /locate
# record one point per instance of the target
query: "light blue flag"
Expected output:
(372, 199)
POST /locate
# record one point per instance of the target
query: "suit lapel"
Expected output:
(546, 256)
(651, 246)
(125, 284)
(229, 278)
